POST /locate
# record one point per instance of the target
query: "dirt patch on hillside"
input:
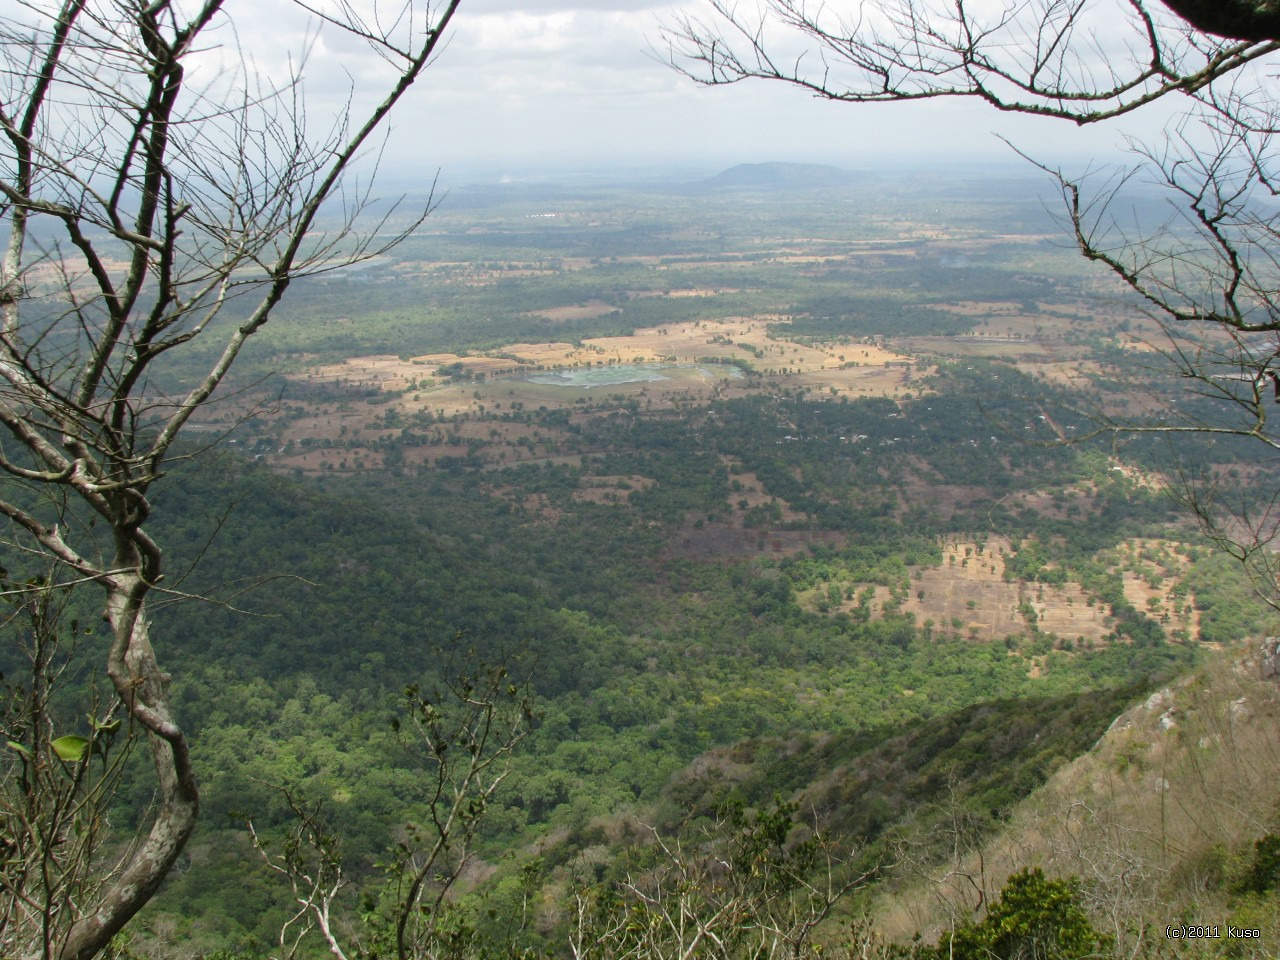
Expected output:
(968, 595)
(611, 489)
(1153, 578)
(706, 541)
(578, 311)
(747, 493)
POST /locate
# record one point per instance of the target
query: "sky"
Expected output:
(529, 86)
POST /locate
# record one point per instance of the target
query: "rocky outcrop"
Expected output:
(1269, 658)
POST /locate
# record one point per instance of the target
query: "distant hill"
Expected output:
(778, 176)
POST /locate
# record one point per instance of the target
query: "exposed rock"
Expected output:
(1270, 658)
(1122, 722)
(1158, 700)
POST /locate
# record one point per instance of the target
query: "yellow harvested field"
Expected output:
(487, 386)
(384, 371)
(852, 368)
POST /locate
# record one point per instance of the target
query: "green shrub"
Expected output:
(1034, 919)
(1264, 872)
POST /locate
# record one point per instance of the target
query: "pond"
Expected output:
(612, 375)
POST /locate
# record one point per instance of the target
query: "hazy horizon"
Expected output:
(554, 85)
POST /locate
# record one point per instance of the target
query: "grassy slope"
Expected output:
(1159, 820)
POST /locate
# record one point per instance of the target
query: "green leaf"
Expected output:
(71, 748)
(20, 748)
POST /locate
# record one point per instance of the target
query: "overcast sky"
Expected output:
(528, 85)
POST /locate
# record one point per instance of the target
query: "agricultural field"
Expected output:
(836, 301)
(585, 332)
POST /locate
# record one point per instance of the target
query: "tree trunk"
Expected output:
(1256, 20)
(144, 687)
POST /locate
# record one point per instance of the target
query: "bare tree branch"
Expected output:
(1040, 57)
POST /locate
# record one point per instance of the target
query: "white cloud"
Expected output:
(541, 80)
(556, 6)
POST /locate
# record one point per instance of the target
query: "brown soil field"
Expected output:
(341, 461)
(994, 345)
(1074, 374)
(969, 595)
(1153, 570)
(942, 498)
(970, 587)
(1046, 322)
(601, 489)
(579, 311)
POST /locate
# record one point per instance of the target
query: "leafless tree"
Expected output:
(159, 194)
(753, 885)
(461, 741)
(1210, 279)
(54, 787)
(1055, 58)
(1208, 273)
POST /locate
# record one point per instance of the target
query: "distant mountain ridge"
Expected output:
(778, 176)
